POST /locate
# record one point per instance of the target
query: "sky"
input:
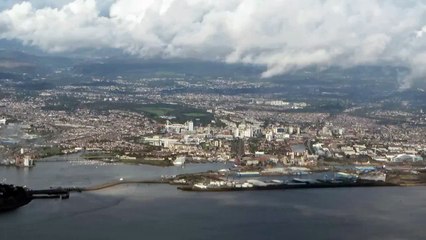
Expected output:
(283, 35)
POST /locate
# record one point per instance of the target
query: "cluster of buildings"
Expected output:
(247, 139)
(281, 103)
(23, 159)
(380, 153)
(253, 129)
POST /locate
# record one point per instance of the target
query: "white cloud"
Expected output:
(280, 34)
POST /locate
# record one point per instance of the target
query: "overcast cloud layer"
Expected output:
(280, 34)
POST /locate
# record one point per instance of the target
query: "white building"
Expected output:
(407, 157)
(248, 133)
(28, 162)
(269, 136)
(190, 125)
(179, 128)
(278, 103)
(3, 121)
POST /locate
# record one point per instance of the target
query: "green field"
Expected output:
(158, 111)
(182, 113)
(195, 114)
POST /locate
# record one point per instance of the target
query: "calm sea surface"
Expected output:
(162, 212)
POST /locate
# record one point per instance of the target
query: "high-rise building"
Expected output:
(190, 125)
(236, 132)
(248, 133)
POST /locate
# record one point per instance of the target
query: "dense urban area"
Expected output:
(168, 113)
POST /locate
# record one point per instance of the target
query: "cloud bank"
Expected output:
(282, 35)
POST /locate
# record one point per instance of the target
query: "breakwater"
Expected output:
(117, 183)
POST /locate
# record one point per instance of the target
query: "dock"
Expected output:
(289, 186)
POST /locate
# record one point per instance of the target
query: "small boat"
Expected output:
(179, 161)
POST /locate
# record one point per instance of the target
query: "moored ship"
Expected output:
(381, 177)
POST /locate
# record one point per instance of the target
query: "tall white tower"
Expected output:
(190, 125)
(237, 132)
